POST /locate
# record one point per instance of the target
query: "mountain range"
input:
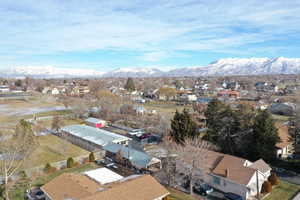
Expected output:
(222, 67)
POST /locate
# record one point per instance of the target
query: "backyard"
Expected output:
(18, 191)
(284, 191)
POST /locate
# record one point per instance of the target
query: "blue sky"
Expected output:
(106, 35)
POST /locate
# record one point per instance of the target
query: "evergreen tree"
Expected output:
(213, 119)
(262, 142)
(294, 129)
(129, 86)
(182, 127)
(70, 162)
(91, 157)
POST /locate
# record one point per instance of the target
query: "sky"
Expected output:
(166, 34)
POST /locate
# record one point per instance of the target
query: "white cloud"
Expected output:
(33, 27)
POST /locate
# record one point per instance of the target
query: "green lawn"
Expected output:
(284, 191)
(18, 191)
(52, 149)
(177, 195)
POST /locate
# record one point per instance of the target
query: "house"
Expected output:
(229, 94)
(4, 88)
(94, 122)
(139, 109)
(286, 108)
(284, 147)
(131, 157)
(88, 186)
(188, 98)
(55, 91)
(239, 176)
(80, 90)
(91, 138)
(232, 174)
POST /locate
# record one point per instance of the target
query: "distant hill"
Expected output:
(222, 67)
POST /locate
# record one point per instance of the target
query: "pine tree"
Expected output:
(91, 157)
(182, 127)
(70, 162)
(213, 119)
(264, 138)
(129, 86)
(294, 129)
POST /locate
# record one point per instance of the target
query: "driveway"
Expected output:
(289, 177)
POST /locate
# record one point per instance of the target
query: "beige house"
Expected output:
(83, 187)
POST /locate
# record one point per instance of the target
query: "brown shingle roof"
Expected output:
(208, 162)
(142, 188)
(260, 165)
(233, 169)
(80, 187)
(67, 185)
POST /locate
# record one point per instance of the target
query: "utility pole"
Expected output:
(257, 185)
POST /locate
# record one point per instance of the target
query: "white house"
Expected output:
(55, 91)
(4, 88)
(232, 174)
(239, 176)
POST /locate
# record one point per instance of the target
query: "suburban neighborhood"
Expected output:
(149, 100)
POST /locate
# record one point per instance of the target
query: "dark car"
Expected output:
(35, 194)
(203, 189)
(232, 196)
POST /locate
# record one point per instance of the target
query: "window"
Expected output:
(216, 180)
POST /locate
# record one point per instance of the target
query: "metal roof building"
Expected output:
(137, 158)
(92, 138)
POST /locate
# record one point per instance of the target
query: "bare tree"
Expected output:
(194, 154)
(14, 152)
(57, 123)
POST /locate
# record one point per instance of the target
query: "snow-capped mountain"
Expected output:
(134, 72)
(49, 72)
(222, 67)
(243, 66)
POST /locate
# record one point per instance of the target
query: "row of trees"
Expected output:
(242, 131)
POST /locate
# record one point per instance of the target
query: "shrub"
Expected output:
(76, 164)
(273, 179)
(266, 187)
(92, 157)
(47, 168)
(70, 162)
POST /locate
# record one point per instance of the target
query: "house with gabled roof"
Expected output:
(232, 174)
(84, 187)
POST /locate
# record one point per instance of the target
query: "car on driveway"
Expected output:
(203, 189)
(232, 196)
(35, 194)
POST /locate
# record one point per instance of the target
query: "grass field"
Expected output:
(166, 109)
(65, 122)
(284, 191)
(52, 149)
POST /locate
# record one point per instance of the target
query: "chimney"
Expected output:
(226, 173)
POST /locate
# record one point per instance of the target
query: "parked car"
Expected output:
(203, 189)
(35, 194)
(232, 196)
